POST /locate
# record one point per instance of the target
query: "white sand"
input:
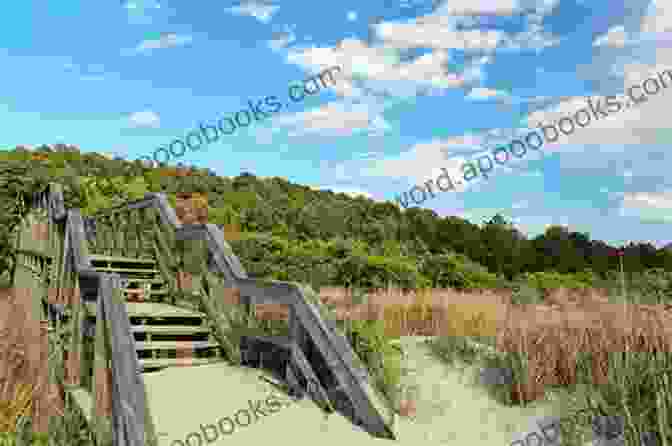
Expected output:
(450, 410)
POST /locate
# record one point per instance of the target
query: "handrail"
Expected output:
(287, 293)
(292, 294)
(128, 391)
(128, 394)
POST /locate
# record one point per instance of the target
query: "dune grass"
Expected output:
(557, 342)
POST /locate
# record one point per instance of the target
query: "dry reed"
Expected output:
(24, 380)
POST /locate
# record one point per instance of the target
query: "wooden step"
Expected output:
(156, 309)
(169, 329)
(174, 345)
(151, 309)
(143, 280)
(126, 270)
(104, 258)
(177, 362)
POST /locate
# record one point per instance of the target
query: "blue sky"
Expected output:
(424, 85)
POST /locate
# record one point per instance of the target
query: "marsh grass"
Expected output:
(616, 364)
(612, 359)
(22, 377)
(601, 354)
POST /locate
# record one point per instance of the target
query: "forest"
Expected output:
(287, 231)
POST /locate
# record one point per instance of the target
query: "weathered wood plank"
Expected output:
(104, 258)
(129, 393)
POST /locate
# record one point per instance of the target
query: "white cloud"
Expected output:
(439, 30)
(421, 163)
(433, 32)
(146, 118)
(167, 40)
(353, 192)
(648, 206)
(485, 93)
(482, 7)
(424, 162)
(333, 119)
(659, 17)
(533, 38)
(261, 11)
(615, 37)
(647, 123)
(379, 68)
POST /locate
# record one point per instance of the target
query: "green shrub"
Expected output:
(383, 359)
(322, 263)
(458, 272)
(548, 280)
(654, 285)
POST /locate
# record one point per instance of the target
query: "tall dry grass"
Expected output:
(554, 335)
(547, 337)
(572, 337)
(25, 392)
(432, 312)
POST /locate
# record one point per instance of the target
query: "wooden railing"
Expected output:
(119, 412)
(149, 228)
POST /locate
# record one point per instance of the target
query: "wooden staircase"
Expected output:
(165, 334)
(118, 279)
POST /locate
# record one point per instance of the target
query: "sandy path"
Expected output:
(450, 411)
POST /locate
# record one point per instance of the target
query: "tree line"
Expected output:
(414, 246)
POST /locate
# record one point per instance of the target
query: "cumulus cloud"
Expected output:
(484, 94)
(144, 119)
(439, 30)
(335, 119)
(658, 18)
(432, 32)
(353, 192)
(379, 68)
(648, 206)
(262, 11)
(646, 123)
(615, 37)
(483, 7)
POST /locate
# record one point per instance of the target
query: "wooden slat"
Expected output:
(159, 310)
(177, 362)
(174, 345)
(104, 258)
(169, 329)
(152, 309)
(126, 270)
